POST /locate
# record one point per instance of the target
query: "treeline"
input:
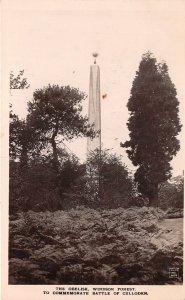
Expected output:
(39, 187)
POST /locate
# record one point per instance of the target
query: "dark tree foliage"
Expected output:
(116, 185)
(115, 181)
(24, 142)
(171, 193)
(55, 113)
(18, 82)
(33, 188)
(72, 184)
(39, 187)
(153, 125)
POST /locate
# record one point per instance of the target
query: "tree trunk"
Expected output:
(154, 200)
(54, 146)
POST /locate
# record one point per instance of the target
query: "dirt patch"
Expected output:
(170, 233)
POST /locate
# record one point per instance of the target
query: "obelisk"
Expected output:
(94, 107)
(94, 144)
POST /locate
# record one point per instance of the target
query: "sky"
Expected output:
(53, 42)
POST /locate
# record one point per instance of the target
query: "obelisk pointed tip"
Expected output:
(95, 55)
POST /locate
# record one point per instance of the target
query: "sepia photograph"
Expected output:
(95, 94)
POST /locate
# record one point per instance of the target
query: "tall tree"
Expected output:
(153, 124)
(55, 114)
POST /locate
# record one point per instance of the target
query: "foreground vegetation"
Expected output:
(87, 246)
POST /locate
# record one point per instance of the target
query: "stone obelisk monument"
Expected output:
(94, 144)
(94, 106)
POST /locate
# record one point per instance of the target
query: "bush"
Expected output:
(33, 187)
